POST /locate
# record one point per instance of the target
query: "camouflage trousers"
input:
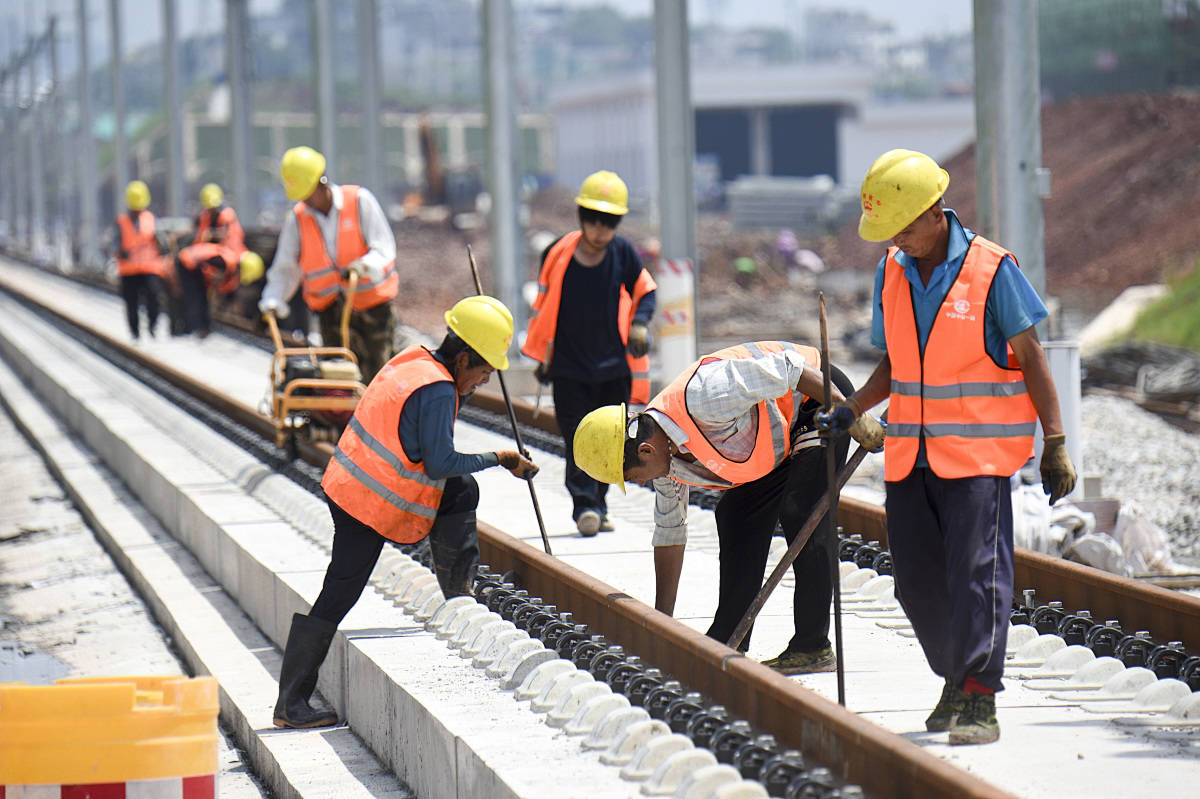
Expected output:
(372, 334)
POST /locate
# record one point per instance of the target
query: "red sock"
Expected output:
(974, 686)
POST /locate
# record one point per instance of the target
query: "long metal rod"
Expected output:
(832, 493)
(512, 418)
(86, 148)
(793, 550)
(373, 174)
(237, 35)
(120, 148)
(174, 102)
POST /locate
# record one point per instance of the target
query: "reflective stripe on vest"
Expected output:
(137, 241)
(975, 415)
(773, 419)
(543, 320)
(369, 476)
(325, 279)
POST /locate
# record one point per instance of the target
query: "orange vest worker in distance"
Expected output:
(332, 231)
(140, 263)
(588, 329)
(396, 476)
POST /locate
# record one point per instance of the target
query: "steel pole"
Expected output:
(175, 176)
(61, 205)
(676, 136)
(120, 150)
(86, 148)
(242, 179)
(37, 160)
(1008, 123)
(503, 154)
(322, 37)
(373, 174)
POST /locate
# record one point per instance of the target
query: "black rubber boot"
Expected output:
(454, 544)
(307, 644)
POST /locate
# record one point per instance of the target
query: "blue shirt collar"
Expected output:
(960, 240)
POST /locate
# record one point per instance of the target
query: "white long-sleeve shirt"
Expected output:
(285, 275)
(722, 397)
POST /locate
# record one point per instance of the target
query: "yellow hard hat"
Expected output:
(486, 325)
(605, 192)
(251, 266)
(900, 186)
(137, 195)
(211, 195)
(301, 170)
(599, 444)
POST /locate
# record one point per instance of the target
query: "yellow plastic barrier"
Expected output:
(110, 730)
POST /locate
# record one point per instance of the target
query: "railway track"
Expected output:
(858, 752)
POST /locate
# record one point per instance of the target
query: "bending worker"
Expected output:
(139, 259)
(967, 381)
(211, 260)
(396, 476)
(334, 230)
(740, 421)
(588, 330)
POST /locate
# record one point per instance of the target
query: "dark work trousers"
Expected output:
(952, 558)
(144, 288)
(356, 548)
(573, 400)
(372, 334)
(196, 314)
(746, 516)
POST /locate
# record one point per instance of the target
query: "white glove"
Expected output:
(271, 305)
(364, 270)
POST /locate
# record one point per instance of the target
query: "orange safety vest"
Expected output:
(324, 279)
(772, 445)
(544, 321)
(975, 414)
(370, 477)
(140, 248)
(229, 248)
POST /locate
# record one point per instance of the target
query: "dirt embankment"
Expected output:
(1125, 195)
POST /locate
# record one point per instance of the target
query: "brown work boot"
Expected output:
(948, 707)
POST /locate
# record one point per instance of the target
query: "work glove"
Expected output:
(270, 305)
(364, 270)
(639, 339)
(358, 268)
(868, 432)
(1058, 475)
(542, 373)
(519, 465)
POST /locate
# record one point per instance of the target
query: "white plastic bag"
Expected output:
(1146, 548)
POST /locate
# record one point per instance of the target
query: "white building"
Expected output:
(796, 120)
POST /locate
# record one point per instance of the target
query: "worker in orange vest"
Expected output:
(396, 476)
(967, 381)
(139, 259)
(334, 230)
(211, 260)
(588, 331)
(739, 421)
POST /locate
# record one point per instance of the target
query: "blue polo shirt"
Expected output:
(1012, 306)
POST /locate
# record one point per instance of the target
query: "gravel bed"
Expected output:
(1147, 460)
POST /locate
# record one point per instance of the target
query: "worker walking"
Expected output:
(396, 476)
(740, 421)
(139, 259)
(211, 260)
(967, 381)
(334, 230)
(588, 330)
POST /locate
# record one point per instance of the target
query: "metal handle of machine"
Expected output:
(273, 326)
(348, 308)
